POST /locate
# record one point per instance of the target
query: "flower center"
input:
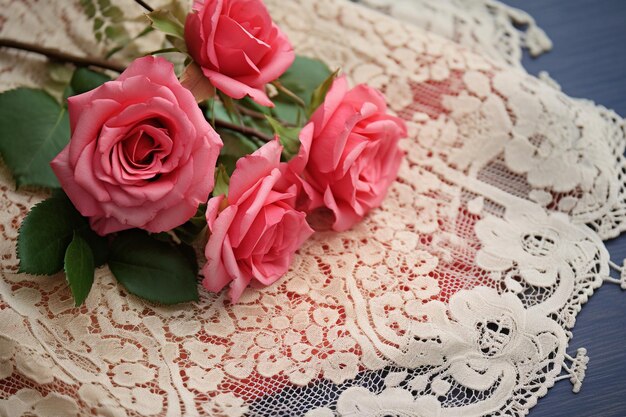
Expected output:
(540, 243)
(494, 335)
(139, 149)
(144, 146)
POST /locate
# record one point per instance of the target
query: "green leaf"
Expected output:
(103, 4)
(222, 181)
(108, 21)
(163, 237)
(216, 110)
(34, 128)
(251, 104)
(286, 94)
(192, 228)
(319, 94)
(230, 107)
(303, 77)
(60, 73)
(58, 193)
(116, 33)
(97, 23)
(152, 269)
(59, 76)
(122, 45)
(235, 146)
(177, 42)
(44, 235)
(114, 13)
(287, 111)
(79, 268)
(99, 245)
(164, 21)
(177, 8)
(89, 8)
(289, 137)
(46, 232)
(190, 253)
(85, 80)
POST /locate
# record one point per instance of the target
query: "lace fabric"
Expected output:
(540, 163)
(456, 297)
(487, 27)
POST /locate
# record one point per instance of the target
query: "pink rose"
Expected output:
(349, 153)
(238, 46)
(256, 235)
(141, 153)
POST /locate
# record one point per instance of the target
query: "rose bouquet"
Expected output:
(229, 146)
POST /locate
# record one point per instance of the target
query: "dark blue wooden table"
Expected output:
(589, 61)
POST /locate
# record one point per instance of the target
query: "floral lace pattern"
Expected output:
(455, 298)
(479, 115)
(433, 297)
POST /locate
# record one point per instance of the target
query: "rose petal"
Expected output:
(84, 202)
(141, 153)
(252, 168)
(274, 63)
(345, 217)
(236, 89)
(250, 208)
(215, 274)
(233, 36)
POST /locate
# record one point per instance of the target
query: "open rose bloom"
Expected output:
(141, 155)
(258, 232)
(238, 46)
(349, 153)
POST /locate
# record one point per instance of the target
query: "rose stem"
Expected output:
(56, 55)
(144, 5)
(243, 129)
(260, 116)
(249, 112)
(289, 93)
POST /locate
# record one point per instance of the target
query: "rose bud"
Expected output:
(238, 46)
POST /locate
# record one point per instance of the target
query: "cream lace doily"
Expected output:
(487, 27)
(455, 298)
